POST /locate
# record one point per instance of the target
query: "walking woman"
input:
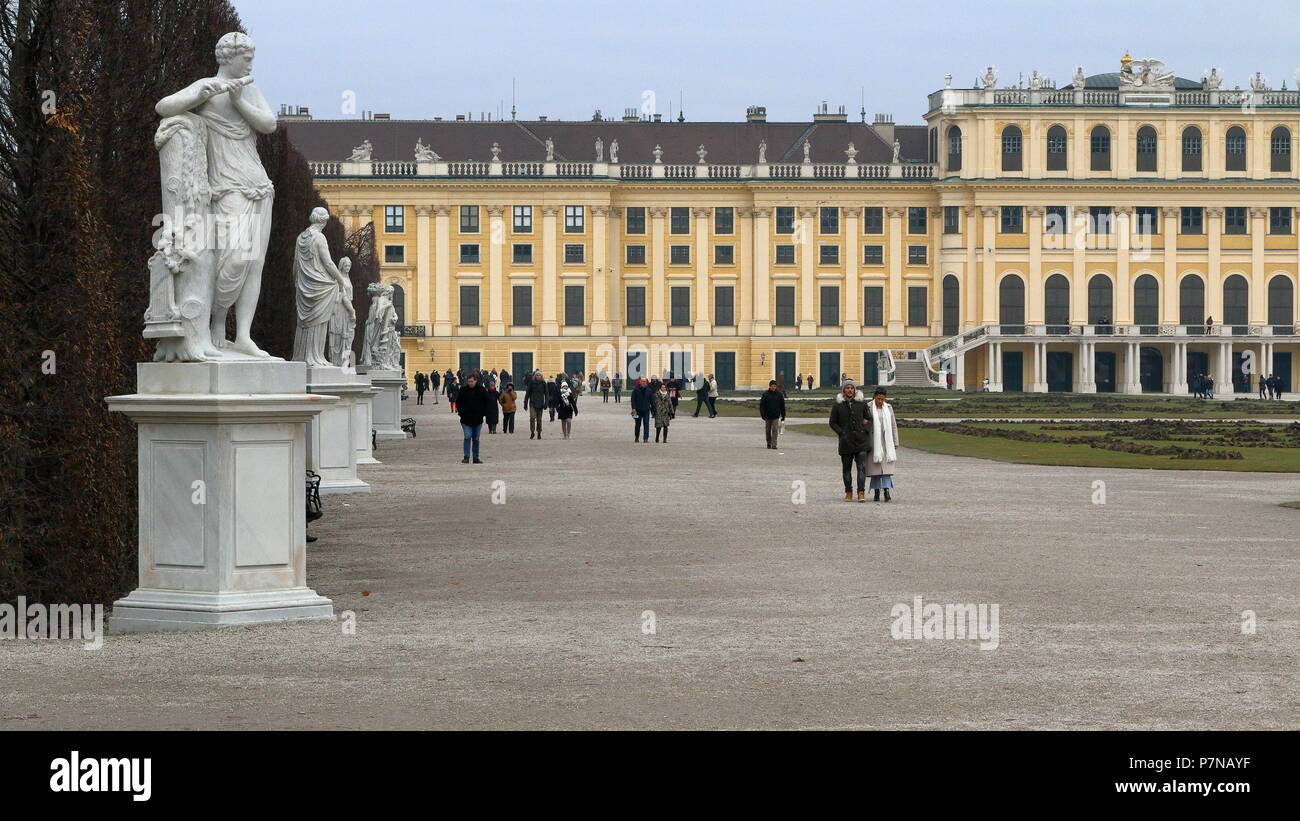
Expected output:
(453, 392)
(493, 405)
(884, 445)
(565, 409)
(508, 409)
(663, 411)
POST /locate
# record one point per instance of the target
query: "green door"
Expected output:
(469, 361)
(785, 370)
(829, 366)
(1282, 369)
(870, 368)
(1013, 371)
(575, 362)
(1103, 371)
(521, 364)
(1060, 371)
(724, 369)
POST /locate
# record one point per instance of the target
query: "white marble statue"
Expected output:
(613, 151)
(343, 326)
(990, 78)
(1035, 80)
(424, 153)
(381, 346)
(496, 152)
(659, 153)
(362, 152)
(600, 150)
(1257, 82)
(852, 153)
(762, 152)
(1213, 80)
(701, 153)
(1147, 73)
(320, 287)
(807, 151)
(1080, 79)
(898, 150)
(207, 146)
(550, 150)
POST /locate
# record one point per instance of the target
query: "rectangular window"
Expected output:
(636, 305)
(1193, 220)
(636, 255)
(917, 254)
(1147, 219)
(522, 219)
(829, 255)
(574, 315)
(724, 220)
(829, 219)
(1013, 219)
(785, 219)
(724, 255)
(724, 306)
(679, 255)
(469, 219)
(679, 221)
(1236, 220)
(785, 255)
(1056, 219)
(917, 306)
(951, 219)
(873, 305)
(873, 255)
(873, 220)
(574, 253)
(785, 305)
(1100, 218)
(575, 219)
(521, 301)
(636, 220)
(394, 253)
(830, 307)
(469, 304)
(469, 253)
(1279, 220)
(523, 253)
(917, 220)
(680, 298)
(394, 219)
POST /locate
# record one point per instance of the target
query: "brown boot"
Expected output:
(848, 496)
(862, 495)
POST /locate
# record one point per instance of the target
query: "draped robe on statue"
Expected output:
(317, 296)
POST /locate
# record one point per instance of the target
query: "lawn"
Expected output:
(1151, 443)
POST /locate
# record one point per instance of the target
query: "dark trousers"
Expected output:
(701, 402)
(507, 421)
(618, 394)
(713, 408)
(605, 395)
(535, 420)
(641, 423)
(847, 460)
(419, 397)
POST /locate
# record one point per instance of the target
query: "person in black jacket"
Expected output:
(553, 395)
(472, 407)
(453, 390)
(771, 408)
(535, 403)
(852, 425)
(642, 405)
(702, 395)
(493, 406)
(434, 383)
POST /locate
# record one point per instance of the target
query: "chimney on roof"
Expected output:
(658, 117)
(382, 117)
(460, 118)
(756, 114)
(884, 126)
(541, 118)
(825, 115)
(630, 115)
(294, 112)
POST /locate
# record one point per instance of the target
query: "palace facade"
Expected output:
(1124, 232)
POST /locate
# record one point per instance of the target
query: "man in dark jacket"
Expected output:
(851, 424)
(553, 396)
(435, 384)
(702, 395)
(535, 403)
(618, 388)
(642, 404)
(771, 408)
(472, 407)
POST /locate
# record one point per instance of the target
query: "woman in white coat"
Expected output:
(884, 445)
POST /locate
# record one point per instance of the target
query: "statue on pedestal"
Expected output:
(613, 151)
(217, 199)
(362, 152)
(762, 152)
(321, 287)
(343, 326)
(600, 150)
(550, 150)
(424, 153)
(381, 347)
(898, 150)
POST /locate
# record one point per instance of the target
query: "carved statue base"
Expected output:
(386, 406)
(332, 436)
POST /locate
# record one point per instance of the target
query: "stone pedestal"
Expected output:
(387, 403)
(222, 457)
(363, 422)
(331, 437)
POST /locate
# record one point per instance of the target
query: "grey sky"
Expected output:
(418, 60)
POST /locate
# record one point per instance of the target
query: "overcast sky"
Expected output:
(417, 59)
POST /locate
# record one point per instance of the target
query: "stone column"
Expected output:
(762, 289)
(989, 274)
(550, 324)
(894, 317)
(1034, 285)
(971, 303)
(1079, 266)
(1133, 368)
(702, 325)
(614, 265)
(1169, 288)
(658, 278)
(367, 217)
(1258, 314)
(1223, 368)
(600, 270)
(807, 272)
(1179, 386)
(442, 271)
(423, 258)
(1214, 265)
(1087, 381)
(1122, 310)
(852, 289)
(347, 216)
(1039, 383)
(222, 460)
(496, 325)
(748, 275)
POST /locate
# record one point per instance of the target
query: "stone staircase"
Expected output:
(911, 373)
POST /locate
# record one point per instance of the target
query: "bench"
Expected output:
(314, 510)
(408, 425)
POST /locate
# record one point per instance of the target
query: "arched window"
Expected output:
(1099, 145)
(1236, 308)
(1191, 304)
(1234, 147)
(1056, 304)
(1011, 304)
(1100, 302)
(951, 305)
(1146, 149)
(1191, 149)
(1280, 145)
(1012, 148)
(1057, 144)
(1281, 305)
(954, 148)
(1146, 302)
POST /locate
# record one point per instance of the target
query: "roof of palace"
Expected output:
(1110, 80)
(574, 141)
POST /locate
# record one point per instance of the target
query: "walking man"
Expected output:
(618, 388)
(642, 404)
(851, 424)
(472, 407)
(535, 403)
(771, 408)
